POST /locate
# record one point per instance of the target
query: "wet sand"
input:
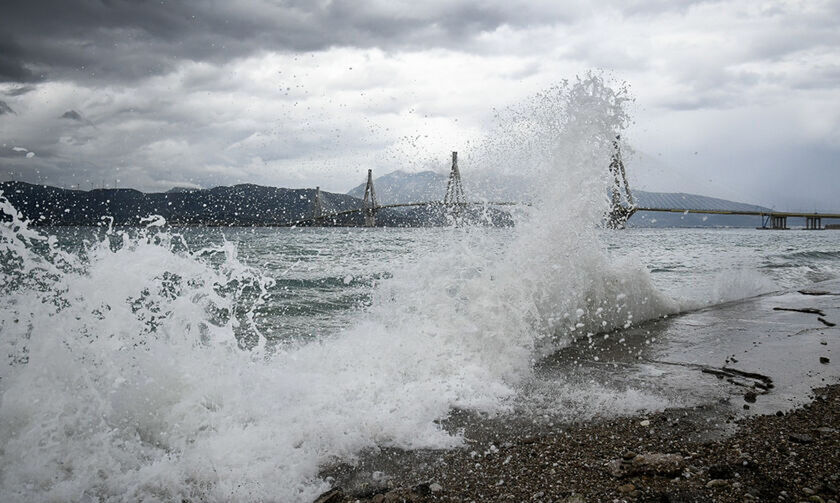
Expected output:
(758, 421)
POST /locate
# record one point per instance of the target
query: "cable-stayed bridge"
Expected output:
(623, 203)
(454, 202)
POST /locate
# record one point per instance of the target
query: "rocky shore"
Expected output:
(756, 417)
(670, 456)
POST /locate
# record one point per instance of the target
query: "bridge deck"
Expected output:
(771, 213)
(401, 205)
(793, 214)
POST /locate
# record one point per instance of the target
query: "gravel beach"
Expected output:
(671, 456)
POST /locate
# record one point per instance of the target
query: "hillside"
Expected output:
(244, 204)
(239, 205)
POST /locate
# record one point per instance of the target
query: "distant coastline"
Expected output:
(250, 205)
(244, 205)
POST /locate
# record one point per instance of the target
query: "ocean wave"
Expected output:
(139, 371)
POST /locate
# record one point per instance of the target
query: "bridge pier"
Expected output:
(764, 220)
(779, 222)
(370, 217)
(813, 223)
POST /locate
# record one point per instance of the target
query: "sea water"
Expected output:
(164, 364)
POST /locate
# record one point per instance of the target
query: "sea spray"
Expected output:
(100, 353)
(561, 142)
(139, 373)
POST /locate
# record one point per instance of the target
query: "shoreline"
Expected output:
(757, 418)
(660, 457)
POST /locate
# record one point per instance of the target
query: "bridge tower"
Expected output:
(454, 190)
(618, 214)
(369, 204)
(317, 206)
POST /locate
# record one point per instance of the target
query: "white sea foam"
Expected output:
(128, 379)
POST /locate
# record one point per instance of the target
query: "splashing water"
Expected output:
(134, 372)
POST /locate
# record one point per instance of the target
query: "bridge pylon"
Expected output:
(317, 205)
(618, 214)
(454, 189)
(369, 204)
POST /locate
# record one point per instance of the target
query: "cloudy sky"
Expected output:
(732, 99)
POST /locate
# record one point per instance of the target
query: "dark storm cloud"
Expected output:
(12, 58)
(19, 91)
(187, 91)
(72, 115)
(126, 40)
(5, 109)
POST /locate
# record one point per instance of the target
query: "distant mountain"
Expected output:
(680, 200)
(402, 187)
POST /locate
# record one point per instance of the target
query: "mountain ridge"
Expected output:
(237, 205)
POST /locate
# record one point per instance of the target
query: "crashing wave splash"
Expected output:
(134, 368)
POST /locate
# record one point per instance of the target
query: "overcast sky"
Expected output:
(733, 99)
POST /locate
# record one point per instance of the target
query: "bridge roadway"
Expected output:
(399, 205)
(792, 214)
(778, 219)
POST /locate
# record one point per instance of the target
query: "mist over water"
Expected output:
(164, 364)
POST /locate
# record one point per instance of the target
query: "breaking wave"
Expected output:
(135, 369)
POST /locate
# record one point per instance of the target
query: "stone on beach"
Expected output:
(648, 464)
(800, 438)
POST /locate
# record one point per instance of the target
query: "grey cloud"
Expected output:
(125, 40)
(799, 32)
(207, 121)
(72, 115)
(13, 60)
(12, 151)
(684, 103)
(825, 77)
(19, 91)
(524, 71)
(5, 109)
(648, 7)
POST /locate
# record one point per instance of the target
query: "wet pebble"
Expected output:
(800, 438)
(626, 488)
(721, 471)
